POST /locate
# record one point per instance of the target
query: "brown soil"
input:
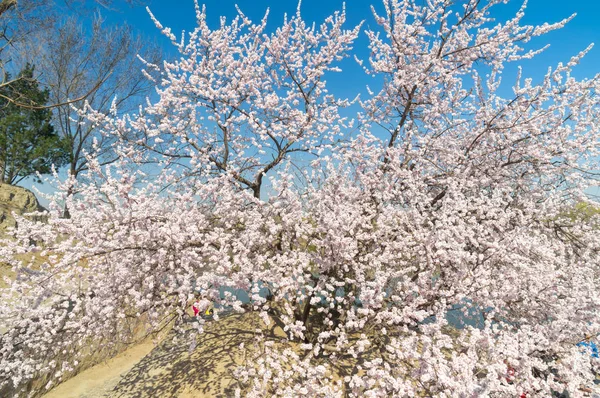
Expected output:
(99, 380)
(174, 368)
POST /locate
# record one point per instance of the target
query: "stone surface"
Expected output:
(18, 200)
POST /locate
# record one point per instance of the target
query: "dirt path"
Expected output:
(181, 366)
(192, 365)
(99, 380)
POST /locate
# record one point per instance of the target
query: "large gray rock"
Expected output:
(18, 200)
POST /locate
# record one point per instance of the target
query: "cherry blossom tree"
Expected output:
(243, 101)
(370, 266)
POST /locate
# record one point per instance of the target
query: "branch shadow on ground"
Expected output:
(172, 369)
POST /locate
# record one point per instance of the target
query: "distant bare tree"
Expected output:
(19, 19)
(79, 63)
(106, 66)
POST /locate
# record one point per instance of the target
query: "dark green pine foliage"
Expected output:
(28, 142)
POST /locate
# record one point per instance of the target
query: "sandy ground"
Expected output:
(182, 366)
(185, 364)
(99, 380)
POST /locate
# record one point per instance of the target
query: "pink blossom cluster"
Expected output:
(453, 199)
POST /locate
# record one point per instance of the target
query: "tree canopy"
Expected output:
(361, 266)
(28, 142)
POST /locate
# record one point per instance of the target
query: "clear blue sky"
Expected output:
(564, 43)
(576, 36)
(584, 29)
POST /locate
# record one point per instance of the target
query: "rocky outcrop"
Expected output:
(17, 200)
